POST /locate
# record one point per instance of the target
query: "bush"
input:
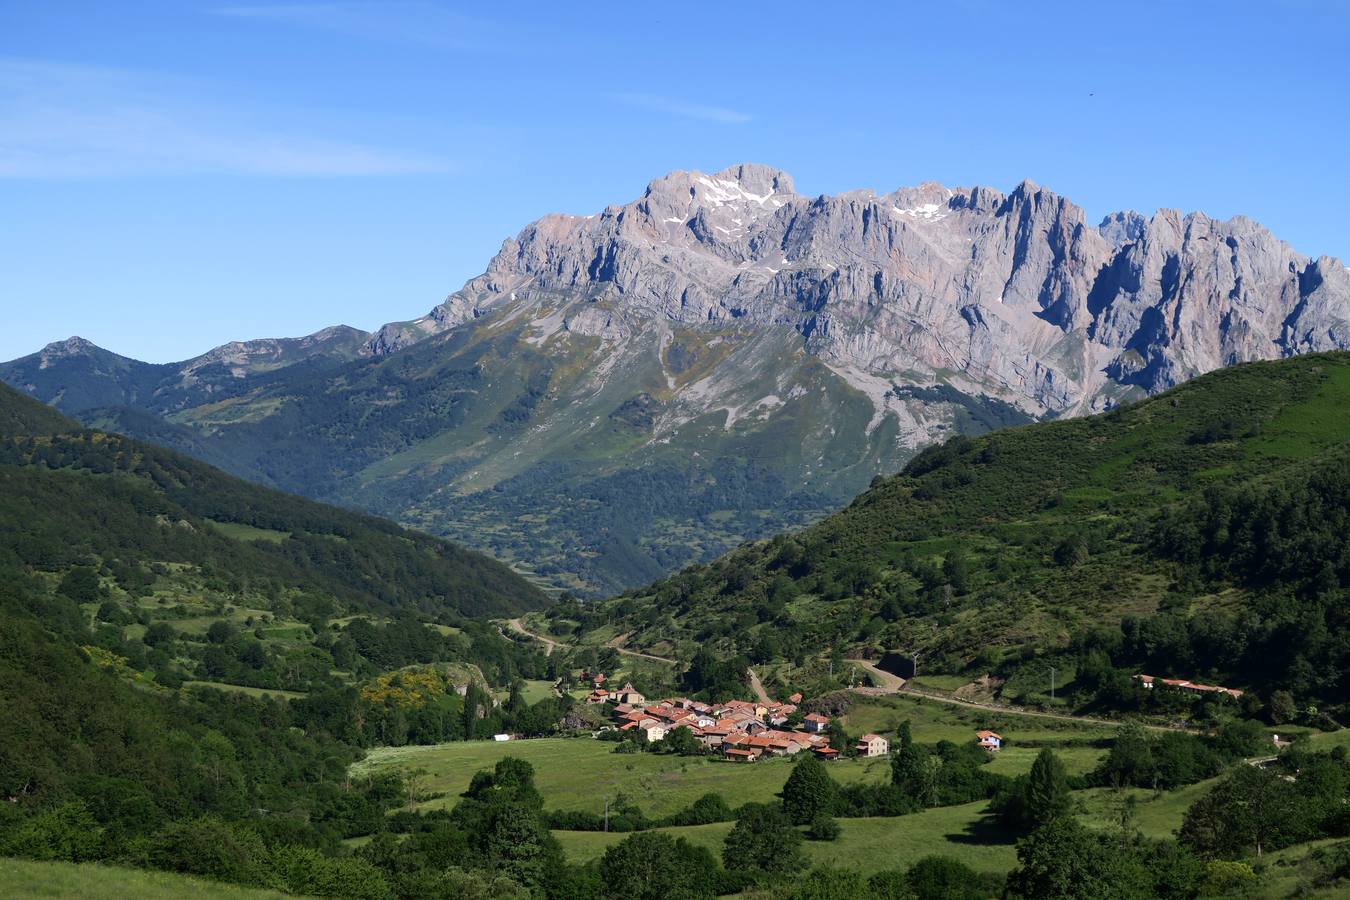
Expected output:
(209, 847)
(829, 883)
(67, 832)
(823, 828)
(764, 839)
(944, 878)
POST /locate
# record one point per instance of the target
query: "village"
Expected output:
(741, 730)
(745, 731)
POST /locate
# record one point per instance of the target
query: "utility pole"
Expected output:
(1052, 684)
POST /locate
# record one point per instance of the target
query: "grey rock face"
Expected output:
(1011, 295)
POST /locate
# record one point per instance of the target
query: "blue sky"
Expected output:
(174, 174)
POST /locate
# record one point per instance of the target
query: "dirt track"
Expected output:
(550, 644)
(755, 685)
(894, 684)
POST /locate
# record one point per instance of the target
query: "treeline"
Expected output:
(425, 713)
(1171, 759)
(1251, 811)
(1287, 533)
(1303, 796)
(1289, 653)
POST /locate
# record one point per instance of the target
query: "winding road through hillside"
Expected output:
(518, 627)
(894, 684)
(614, 643)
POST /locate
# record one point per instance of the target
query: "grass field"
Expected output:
(239, 688)
(21, 879)
(941, 682)
(865, 845)
(1016, 760)
(1329, 740)
(932, 721)
(579, 773)
(1290, 872)
(533, 691)
(242, 532)
(1155, 815)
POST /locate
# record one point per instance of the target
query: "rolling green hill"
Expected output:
(72, 496)
(1211, 518)
(25, 879)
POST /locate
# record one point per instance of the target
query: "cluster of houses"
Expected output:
(1191, 687)
(741, 730)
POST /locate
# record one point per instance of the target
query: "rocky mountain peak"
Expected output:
(1122, 228)
(1015, 293)
(747, 183)
(71, 346)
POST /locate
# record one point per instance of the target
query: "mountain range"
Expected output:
(623, 393)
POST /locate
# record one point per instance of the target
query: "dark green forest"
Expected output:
(70, 494)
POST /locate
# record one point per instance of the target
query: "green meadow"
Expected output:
(865, 845)
(932, 721)
(580, 773)
(22, 879)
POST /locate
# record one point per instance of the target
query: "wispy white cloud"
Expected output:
(411, 22)
(59, 120)
(684, 110)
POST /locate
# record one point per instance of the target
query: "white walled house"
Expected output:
(873, 745)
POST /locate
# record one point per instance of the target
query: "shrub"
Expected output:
(823, 828)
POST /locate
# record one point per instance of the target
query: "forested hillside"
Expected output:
(189, 663)
(71, 496)
(1199, 533)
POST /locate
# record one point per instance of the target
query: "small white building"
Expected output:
(873, 745)
(815, 723)
(990, 741)
(501, 737)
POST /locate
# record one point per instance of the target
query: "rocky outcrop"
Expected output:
(1014, 295)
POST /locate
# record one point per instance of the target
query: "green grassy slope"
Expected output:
(69, 496)
(27, 880)
(1024, 536)
(864, 845)
(580, 773)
